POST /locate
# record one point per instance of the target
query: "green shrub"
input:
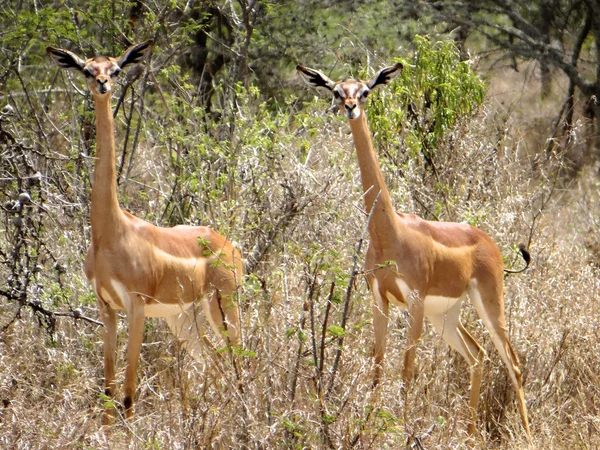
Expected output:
(434, 91)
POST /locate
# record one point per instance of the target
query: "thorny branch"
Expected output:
(22, 258)
(353, 275)
(38, 308)
(292, 208)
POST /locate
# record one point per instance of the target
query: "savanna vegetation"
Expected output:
(492, 122)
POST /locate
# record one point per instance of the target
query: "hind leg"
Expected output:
(449, 327)
(489, 304)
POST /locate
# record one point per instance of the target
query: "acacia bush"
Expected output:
(279, 176)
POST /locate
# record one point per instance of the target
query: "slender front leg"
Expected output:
(380, 326)
(109, 336)
(415, 328)
(134, 346)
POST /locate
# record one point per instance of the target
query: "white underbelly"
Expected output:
(152, 308)
(163, 310)
(433, 304)
(436, 304)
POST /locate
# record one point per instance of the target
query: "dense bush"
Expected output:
(255, 155)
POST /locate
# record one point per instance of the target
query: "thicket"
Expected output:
(217, 130)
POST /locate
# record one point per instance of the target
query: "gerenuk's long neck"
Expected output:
(384, 222)
(106, 216)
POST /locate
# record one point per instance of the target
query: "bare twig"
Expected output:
(353, 274)
(37, 307)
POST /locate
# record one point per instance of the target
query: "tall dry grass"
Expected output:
(276, 393)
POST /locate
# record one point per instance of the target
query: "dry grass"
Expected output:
(270, 397)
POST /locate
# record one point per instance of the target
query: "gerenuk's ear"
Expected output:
(315, 78)
(135, 54)
(384, 76)
(65, 59)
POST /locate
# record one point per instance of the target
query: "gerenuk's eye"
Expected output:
(336, 94)
(116, 72)
(365, 93)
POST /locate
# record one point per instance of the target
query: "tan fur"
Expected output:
(434, 260)
(138, 267)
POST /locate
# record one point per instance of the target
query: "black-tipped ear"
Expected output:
(384, 76)
(135, 54)
(65, 59)
(315, 78)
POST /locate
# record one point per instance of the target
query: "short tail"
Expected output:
(526, 257)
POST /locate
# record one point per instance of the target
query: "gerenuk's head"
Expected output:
(349, 95)
(100, 71)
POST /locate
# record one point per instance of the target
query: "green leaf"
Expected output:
(336, 331)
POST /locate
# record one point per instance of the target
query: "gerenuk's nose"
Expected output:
(102, 86)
